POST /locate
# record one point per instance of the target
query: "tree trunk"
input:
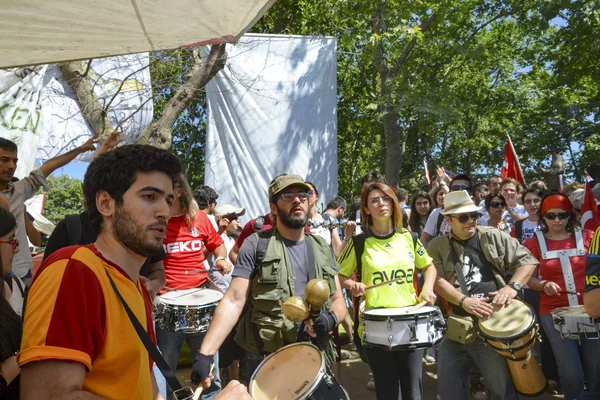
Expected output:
(75, 74)
(159, 133)
(552, 174)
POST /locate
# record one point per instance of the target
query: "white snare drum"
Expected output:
(188, 310)
(295, 372)
(403, 328)
(574, 323)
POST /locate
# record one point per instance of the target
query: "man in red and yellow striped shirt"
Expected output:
(78, 341)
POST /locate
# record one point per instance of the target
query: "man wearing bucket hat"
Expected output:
(471, 262)
(272, 266)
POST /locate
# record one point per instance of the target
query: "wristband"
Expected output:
(461, 301)
(219, 259)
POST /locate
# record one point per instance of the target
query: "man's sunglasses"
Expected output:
(464, 218)
(454, 188)
(14, 243)
(497, 204)
(288, 196)
(561, 215)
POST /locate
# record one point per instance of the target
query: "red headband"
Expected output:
(556, 201)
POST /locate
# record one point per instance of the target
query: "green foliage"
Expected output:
(64, 197)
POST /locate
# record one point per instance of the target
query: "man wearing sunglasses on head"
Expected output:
(472, 262)
(272, 266)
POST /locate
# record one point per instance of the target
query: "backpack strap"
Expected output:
(74, 229)
(261, 247)
(258, 224)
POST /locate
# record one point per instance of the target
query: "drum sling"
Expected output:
(565, 262)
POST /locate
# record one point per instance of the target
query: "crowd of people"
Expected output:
(105, 315)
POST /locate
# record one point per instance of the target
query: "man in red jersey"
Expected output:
(189, 230)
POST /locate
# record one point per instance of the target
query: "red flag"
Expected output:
(590, 217)
(511, 167)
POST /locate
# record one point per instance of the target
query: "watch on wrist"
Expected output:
(514, 285)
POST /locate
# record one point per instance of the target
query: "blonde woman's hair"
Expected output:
(188, 204)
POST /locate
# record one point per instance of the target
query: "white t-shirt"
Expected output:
(431, 225)
(223, 281)
(529, 228)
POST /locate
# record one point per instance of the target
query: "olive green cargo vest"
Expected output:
(263, 327)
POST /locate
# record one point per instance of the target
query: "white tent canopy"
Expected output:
(41, 31)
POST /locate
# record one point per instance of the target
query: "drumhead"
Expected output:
(508, 321)
(191, 297)
(378, 314)
(288, 374)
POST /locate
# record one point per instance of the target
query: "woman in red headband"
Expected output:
(561, 247)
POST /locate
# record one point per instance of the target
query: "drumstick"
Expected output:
(567, 292)
(200, 388)
(382, 284)
(185, 294)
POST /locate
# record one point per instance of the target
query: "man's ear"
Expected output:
(273, 208)
(105, 203)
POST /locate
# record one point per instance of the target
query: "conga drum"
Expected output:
(512, 332)
(295, 372)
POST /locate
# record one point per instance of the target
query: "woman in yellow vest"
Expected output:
(389, 253)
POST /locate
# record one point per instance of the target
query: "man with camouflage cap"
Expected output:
(272, 266)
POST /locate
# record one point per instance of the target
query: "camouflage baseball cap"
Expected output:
(284, 181)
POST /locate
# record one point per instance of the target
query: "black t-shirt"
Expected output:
(60, 239)
(477, 270)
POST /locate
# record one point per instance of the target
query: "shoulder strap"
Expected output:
(458, 268)
(359, 248)
(519, 230)
(310, 258)
(148, 343)
(438, 224)
(73, 222)
(258, 224)
(261, 247)
(415, 238)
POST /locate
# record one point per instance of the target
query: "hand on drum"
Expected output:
(358, 288)
(503, 297)
(223, 266)
(428, 296)
(552, 289)
(478, 307)
(234, 391)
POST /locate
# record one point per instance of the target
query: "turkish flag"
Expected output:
(590, 217)
(511, 167)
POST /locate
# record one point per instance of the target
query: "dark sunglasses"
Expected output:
(454, 188)
(497, 204)
(561, 215)
(466, 217)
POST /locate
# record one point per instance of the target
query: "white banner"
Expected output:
(272, 110)
(40, 111)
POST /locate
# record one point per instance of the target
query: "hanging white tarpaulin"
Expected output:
(40, 112)
(272, 110)
(43, 32)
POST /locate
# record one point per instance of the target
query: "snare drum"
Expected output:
(188, 310)
(295, 372)
(512, 332)
(403, 328)
(574, 323)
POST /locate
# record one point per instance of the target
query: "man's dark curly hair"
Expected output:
(115, 172)
(205, 196)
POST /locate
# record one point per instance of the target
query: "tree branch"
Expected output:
(404, 57)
